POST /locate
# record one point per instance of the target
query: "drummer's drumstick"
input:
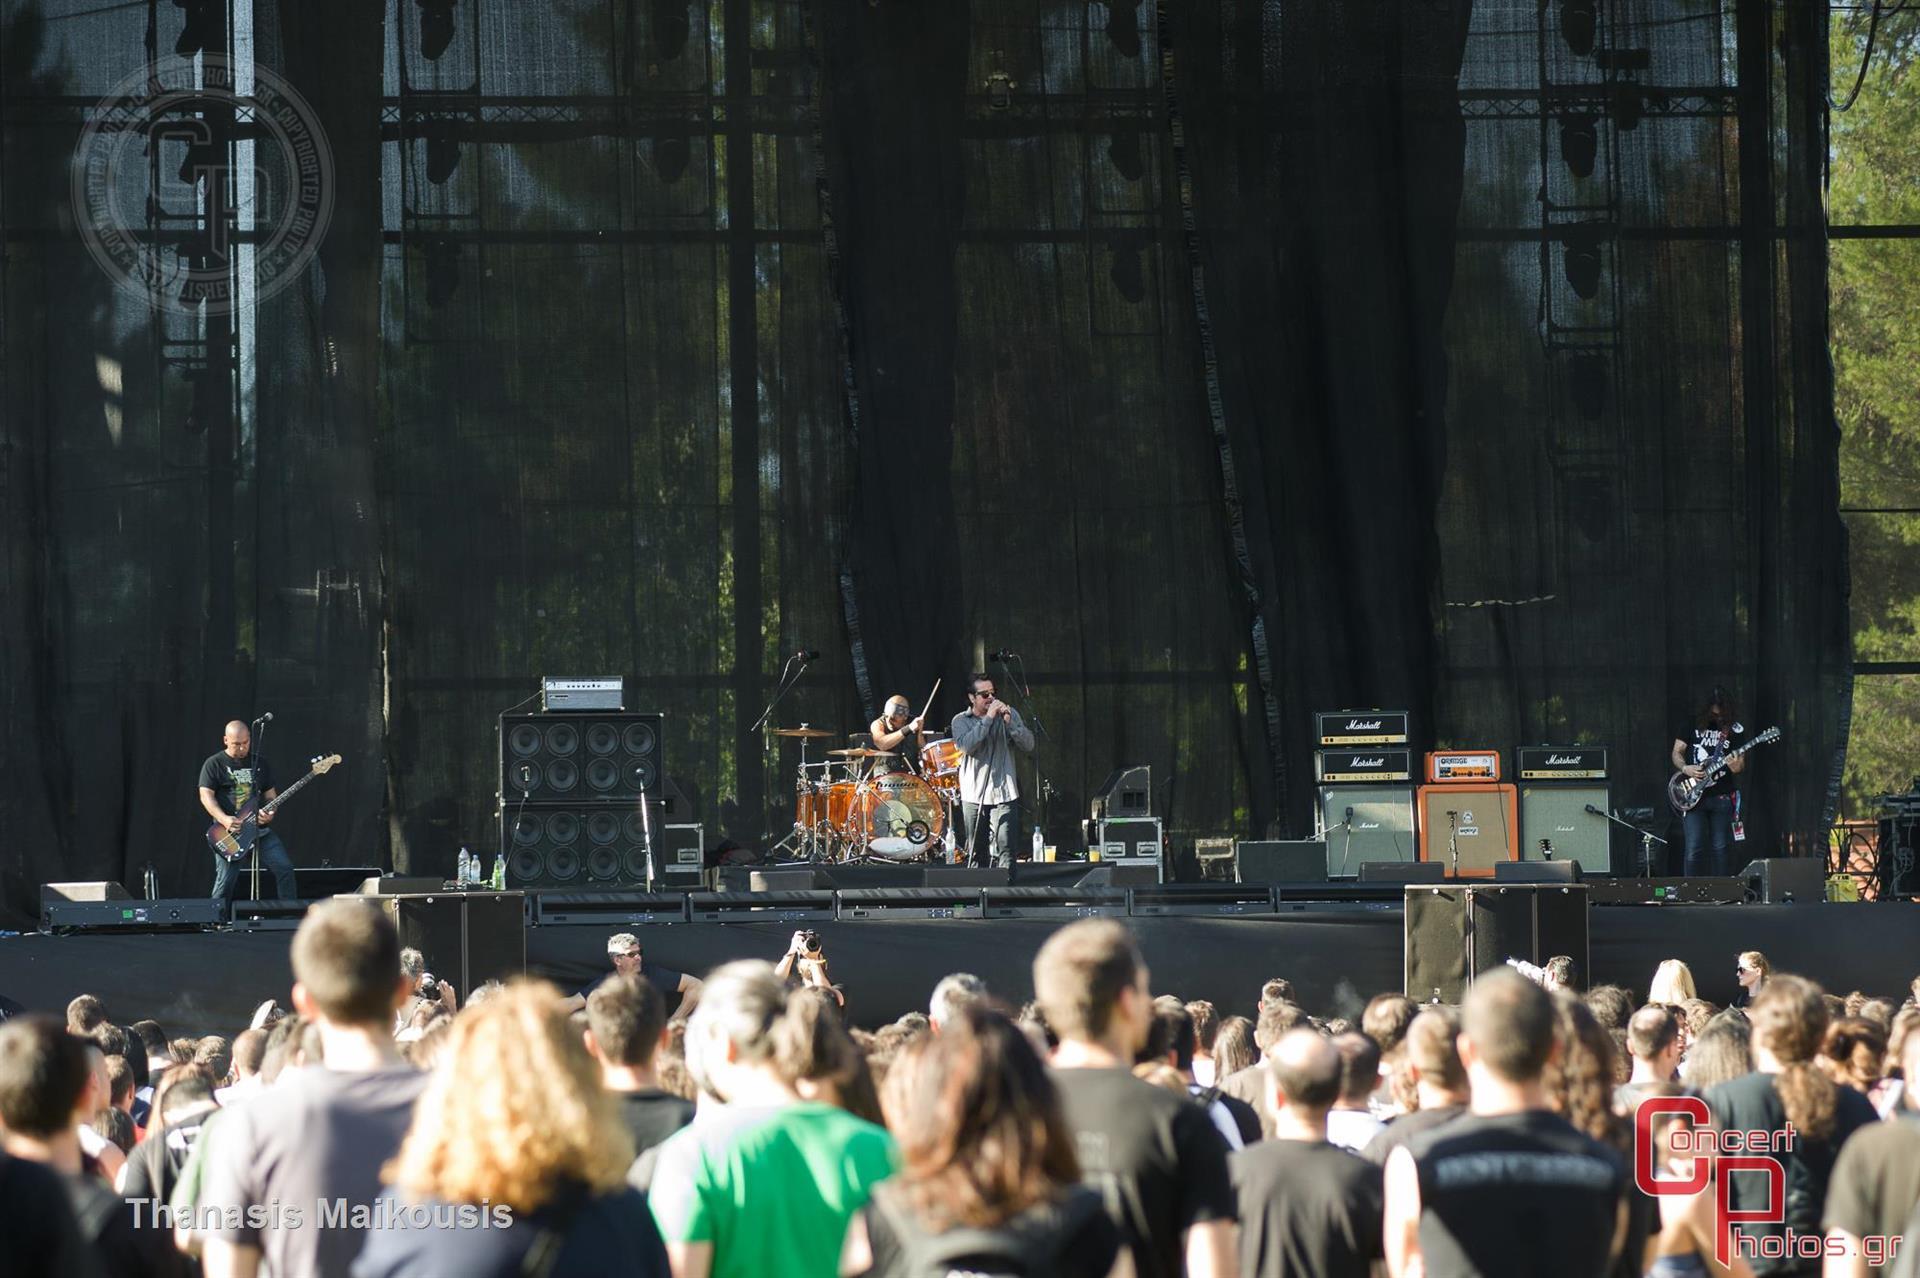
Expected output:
(930, 697)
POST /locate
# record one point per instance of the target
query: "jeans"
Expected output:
(273, 855)
(1002, 819)
(1709, 833)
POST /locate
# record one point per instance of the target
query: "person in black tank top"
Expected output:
(1509, 1188)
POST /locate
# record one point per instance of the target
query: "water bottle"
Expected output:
(1039, 844)
(465, 869)
(499, 871)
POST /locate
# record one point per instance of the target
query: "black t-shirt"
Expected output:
(610, 1234)
(1751, 1103)
(1516, 1194)
(1154, 1157)
(41, 1237)
(1706, 745)
(1307, 1209)
(126, 1238)
(664, 979)
(234, 781)
(1069, 1238)
(154, 1166)
(653, 1115)
(1400, 1130)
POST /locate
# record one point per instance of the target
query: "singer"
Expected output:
(985, 734)
(227, 780)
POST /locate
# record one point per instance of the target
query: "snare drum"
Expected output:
(940, 761)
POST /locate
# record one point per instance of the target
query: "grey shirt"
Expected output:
(986, 755)
(312, 1144)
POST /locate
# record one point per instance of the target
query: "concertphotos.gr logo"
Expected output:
(1713, 1158)
(185, 160)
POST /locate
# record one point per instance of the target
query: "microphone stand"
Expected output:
(1647, 839)
(789, 676)
(1025, 707)
(257, 735)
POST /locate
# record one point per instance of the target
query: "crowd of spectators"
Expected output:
(661, 1124)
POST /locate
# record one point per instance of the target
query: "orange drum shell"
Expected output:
(940, 758)
(919, 799)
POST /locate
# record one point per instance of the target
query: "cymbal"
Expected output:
(809, 734)
(860, 752)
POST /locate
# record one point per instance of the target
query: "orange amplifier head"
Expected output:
(1462, 766)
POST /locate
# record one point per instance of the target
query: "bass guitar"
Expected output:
(1685, 792)
(237, 842)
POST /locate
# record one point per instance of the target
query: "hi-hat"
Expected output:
(810, 734)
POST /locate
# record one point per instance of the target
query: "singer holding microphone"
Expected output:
(227, 780)
(985, 734)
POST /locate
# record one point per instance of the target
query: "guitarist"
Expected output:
(1709, 826)
(227, 781)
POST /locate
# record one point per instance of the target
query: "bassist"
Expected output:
(1709, 826)
(228, 781)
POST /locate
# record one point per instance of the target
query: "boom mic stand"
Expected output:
(256, 736)
(1647, 838)
(789, 676)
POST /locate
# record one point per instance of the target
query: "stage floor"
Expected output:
(1337, 956)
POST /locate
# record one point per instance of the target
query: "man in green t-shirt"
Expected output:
(766, 1182)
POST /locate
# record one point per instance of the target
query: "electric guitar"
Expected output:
(1685, 792)
(236, 843)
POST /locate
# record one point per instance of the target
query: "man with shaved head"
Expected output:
(228, 779)
(1307, 1207)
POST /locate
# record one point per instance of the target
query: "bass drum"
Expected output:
(897, 816)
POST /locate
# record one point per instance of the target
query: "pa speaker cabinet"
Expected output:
(468, 938)
(1558, 814)
(580, 759)
(1777, 880)
(1477, 820)
(1362, 823)
(1283, 861)
(1454, 934)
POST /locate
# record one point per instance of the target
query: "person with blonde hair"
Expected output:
(517, 1158)
(1672, 983)
(1751, 970)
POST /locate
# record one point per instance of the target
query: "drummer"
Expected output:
(891, 731)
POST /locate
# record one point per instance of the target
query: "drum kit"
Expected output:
(856, 804)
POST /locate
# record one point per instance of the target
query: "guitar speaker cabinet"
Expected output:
(1454, 934)
(1558, 813)
(1380, 828)
(1479, 819)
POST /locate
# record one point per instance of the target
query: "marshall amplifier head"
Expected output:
(1563, 763)
(1333, 767)
(1361, 727)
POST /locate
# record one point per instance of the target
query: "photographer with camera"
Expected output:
(427, 991)
(805, 963)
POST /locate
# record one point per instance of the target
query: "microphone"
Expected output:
(1595, 811)
(265, 718)
(1002, 654)
(807, 654)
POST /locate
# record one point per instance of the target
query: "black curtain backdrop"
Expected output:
(1229, 362)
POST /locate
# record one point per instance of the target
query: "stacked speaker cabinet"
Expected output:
(1557, 786)
(1467, 815)
(1365, 774)
(572, 790)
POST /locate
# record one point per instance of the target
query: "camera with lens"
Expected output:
(809, 941)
